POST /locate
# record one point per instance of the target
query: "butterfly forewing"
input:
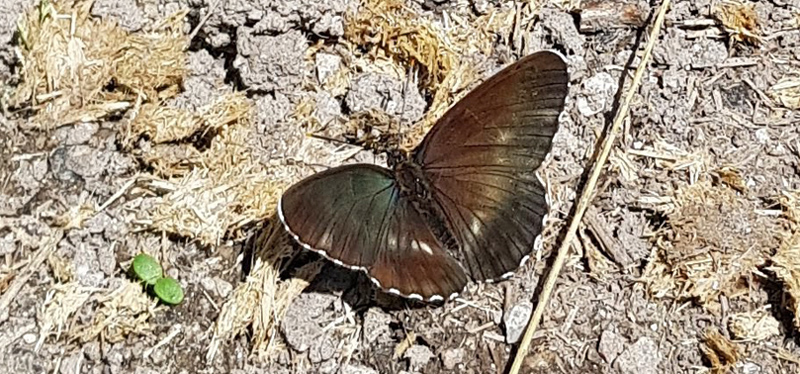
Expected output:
(481, 157)
(355, 215)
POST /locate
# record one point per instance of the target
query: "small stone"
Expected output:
(159, 356)
(327, 64)
(301, 325)
(208, 284)
(76, 134)
(327, 108)
(326, 367)
(418, 356)
(375, 91)
(358, 369)
(224, 288)
(29, 338)
(86, 161)
(376, 325)
(640, 358)
(92, 351)
(323, 350)
(598, 94)
(778, 151)
(268, 63)
(750, 368)
(39, 168)
(299, 332)
(114, 356)
(610, 345)
(497, 317)
(516, 319)
(480, 6)
(452, 357)
(762, 136)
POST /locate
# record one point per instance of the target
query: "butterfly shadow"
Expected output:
(272, 246)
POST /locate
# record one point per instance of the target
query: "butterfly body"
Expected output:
(465, 204)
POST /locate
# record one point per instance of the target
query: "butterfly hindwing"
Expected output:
(481, 157)
(355, 215)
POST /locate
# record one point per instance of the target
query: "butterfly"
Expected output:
(466, 203)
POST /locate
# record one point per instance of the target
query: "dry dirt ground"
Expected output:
(172, 127)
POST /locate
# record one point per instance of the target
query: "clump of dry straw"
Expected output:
(716, 238)
(786, 262)
(75, 67)
(739, 20)
(398, 39)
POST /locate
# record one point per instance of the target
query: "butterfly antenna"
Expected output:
(327, 138)
(405, 91)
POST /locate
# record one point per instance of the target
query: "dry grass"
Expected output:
(62, 301)
(207, 193)
(739, 20)
(398, 40)
(78, 68)
(714, 240)
(122, 311)
(753, 326)
(206, 181)
(721, 352)
(262, 300)
(786, 92)
(786, 262)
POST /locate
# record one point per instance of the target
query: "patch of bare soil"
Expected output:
(172, 128)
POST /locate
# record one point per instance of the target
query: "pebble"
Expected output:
(610, 345)
(452, 357)
(327, 64)
(516, 319)
(640, 358)
(418, 356)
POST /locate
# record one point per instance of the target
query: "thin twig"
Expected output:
(586, 195)
(203, 20)
(45, 248)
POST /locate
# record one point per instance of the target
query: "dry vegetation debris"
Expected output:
(757, 325)
(261, 301)
(79, 68)
(787, 92)
(75, 67)
(206, 192)
(397, 39)
(715, 242)
(720, 351)
(739, 20)
(786, 261)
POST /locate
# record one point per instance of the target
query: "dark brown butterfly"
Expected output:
(466, 203)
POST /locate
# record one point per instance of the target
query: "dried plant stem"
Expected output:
(46, 247)
(586, 195)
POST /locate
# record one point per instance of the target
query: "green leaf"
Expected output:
(146, 268)
(169, 291)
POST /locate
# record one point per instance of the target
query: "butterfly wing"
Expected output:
(480, 160)
(355, 215)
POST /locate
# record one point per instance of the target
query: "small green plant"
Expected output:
(169, 291)
(146, 268)
(149, 271)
